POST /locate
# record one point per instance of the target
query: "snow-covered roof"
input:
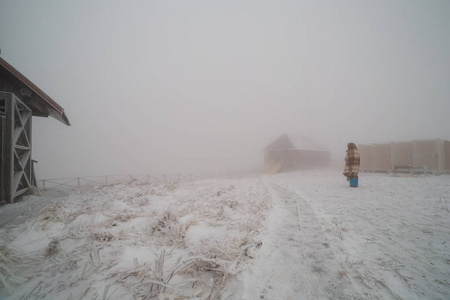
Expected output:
(295, 141)
(303, 142)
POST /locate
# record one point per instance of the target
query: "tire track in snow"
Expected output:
(281, 257)
(296, 259)
(320, 277)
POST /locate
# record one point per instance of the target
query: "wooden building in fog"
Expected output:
(431, 155)
(293, 152)
(20, 100)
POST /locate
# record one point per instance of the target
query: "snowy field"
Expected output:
(303, 235)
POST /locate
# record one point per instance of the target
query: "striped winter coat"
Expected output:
(351, 161)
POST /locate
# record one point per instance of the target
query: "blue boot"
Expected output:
(354, 181)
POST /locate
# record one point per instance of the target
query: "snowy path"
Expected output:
(296, 259)
(390, 236)
(316, 278)
(278, 273)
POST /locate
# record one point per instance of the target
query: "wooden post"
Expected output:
(30, 138)
(8, 150)
(2, 128)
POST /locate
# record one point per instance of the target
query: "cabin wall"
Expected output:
(382, 157)
(291, 159)
(402, 154)
(441, 155)
(366, 157)
(312, 159)
(447, 155)
(434, 155)
(16, 162)
(425, 153)
(2, 125)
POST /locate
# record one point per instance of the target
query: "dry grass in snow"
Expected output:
(136, 241)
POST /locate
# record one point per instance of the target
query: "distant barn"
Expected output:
(424, 156)
(292, 152)
(20, 99)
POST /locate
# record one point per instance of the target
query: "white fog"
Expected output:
(202, 88)
(154, 87)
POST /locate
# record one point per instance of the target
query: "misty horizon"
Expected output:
(157, 87)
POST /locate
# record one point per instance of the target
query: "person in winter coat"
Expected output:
(352, 164)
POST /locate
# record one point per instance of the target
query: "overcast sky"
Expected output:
(189, 86)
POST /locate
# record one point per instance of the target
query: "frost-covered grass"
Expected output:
(301, 235)
(137, 240)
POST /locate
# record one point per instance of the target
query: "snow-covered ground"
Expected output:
(302, 235)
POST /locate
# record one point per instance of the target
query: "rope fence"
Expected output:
(80, 182)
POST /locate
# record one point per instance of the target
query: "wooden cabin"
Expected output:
(20, 100)
(293, 152)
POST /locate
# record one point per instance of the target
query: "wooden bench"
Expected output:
(409, 169)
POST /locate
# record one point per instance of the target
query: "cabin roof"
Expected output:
(40, 103)
(294, 141)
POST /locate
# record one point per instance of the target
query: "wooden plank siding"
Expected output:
(427, 155)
